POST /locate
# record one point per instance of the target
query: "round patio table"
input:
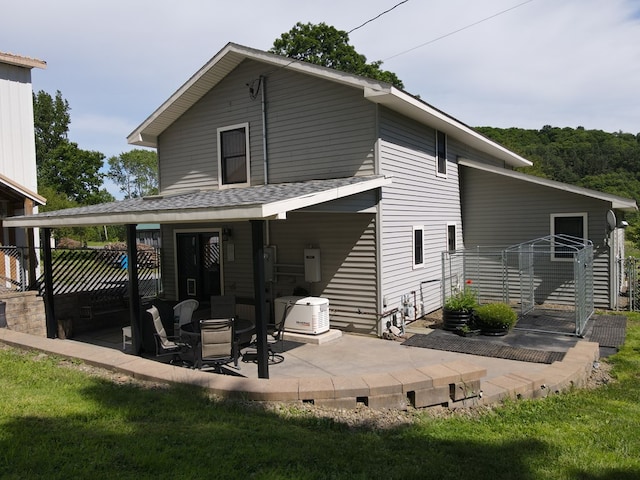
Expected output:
(242, 328)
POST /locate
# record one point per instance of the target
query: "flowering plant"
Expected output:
(464, 299)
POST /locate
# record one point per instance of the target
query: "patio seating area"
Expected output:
(352, 370)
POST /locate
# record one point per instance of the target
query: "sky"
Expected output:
(500, 63)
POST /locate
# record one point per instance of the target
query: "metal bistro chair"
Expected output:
(277, 337)
(216, 343)
(182, 314)
(165, 345)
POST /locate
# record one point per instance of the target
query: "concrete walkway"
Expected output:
(350, 370)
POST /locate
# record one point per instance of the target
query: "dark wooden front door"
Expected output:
(198, 257)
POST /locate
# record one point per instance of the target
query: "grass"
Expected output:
(62, 423)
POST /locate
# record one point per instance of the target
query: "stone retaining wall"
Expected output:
(25, 312)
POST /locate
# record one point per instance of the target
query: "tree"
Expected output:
(324, 45)
(51, 121)
(62, 165)
(135, 172)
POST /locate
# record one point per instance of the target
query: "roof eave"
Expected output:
(617, 202)
(412, 107)
(274, 210)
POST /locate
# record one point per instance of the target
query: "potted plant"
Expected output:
(458, 309)
(495, 318)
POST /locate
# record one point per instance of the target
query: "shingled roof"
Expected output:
(271, 201)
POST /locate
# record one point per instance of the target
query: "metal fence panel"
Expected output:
(548, 280)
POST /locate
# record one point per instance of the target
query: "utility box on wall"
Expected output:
(312, 265)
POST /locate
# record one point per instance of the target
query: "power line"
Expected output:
(377, 17)
(458, 30)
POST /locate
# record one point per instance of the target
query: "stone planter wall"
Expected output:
(25, 312)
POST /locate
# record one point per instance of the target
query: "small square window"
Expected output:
(569, 232)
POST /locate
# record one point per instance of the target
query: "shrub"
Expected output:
(463, 300)
(496, 315)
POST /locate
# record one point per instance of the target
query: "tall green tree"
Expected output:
(51, 121)
(135, 172)
(61, 164)
(325, 45)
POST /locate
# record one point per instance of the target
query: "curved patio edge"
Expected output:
(454, 384)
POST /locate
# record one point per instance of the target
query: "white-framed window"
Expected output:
(233, 156)
(451, 237)
(418, 246)
(567, 230)
(441, 153)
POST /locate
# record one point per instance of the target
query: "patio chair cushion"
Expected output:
(162, 334)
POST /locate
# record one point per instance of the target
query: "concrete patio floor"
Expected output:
(349, 370)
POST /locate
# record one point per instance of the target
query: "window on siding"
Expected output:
(572, 231)
(451, 237)
(441, 152)
(418, 247)
(233, 155)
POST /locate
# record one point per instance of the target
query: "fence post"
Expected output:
(51, 323)
(134, 293)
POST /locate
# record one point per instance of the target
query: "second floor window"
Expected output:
(441, 152)
(233, 155)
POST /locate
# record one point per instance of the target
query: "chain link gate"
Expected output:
(548, 280)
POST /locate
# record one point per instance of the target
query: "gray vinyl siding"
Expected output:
(348, 257)
(315, 130)
(417, 197)
(501, 212)
(188, 149)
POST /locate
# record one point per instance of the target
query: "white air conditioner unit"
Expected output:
(303, 314)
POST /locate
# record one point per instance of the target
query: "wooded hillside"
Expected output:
(607, 162)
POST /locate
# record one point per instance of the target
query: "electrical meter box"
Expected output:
(312, 265)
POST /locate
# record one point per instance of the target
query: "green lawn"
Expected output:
(58, 422)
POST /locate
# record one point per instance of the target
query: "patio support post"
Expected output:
(257, 235)
(134, 294)
(50, 316)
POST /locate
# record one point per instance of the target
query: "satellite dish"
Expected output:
(611, 220)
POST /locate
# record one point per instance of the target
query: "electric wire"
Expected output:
(458, 30)
(377, 17)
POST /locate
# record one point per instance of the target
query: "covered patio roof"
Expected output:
(271, 201)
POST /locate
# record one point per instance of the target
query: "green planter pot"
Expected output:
(454, 319)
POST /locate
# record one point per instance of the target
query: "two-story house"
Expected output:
(279, 177)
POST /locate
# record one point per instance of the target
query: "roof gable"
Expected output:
(375, 91)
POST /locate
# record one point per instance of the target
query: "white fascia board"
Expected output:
(284, 206)
(173, 216)
(406, 104)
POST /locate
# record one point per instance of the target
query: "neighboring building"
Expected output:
(18, 180)
(360, 188)
(149, 234)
